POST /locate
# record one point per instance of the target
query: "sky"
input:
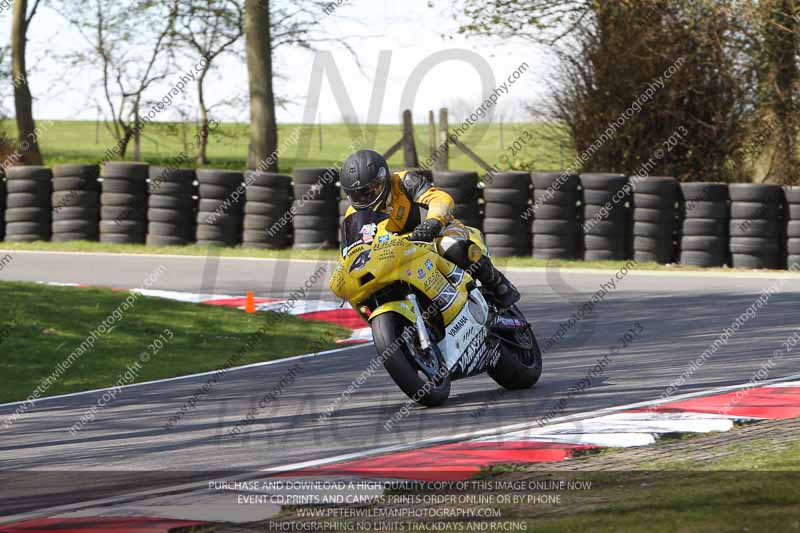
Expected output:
(404, 34)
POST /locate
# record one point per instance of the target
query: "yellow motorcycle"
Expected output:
(431, 322)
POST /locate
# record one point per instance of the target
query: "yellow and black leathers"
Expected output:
(413, 199)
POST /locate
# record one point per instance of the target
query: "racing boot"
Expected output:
(494, 280)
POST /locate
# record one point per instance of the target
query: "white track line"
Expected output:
(516, 427)
(138, 496)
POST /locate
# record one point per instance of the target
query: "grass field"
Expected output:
(41, 326)
(746, 491)
(85, 142)
(330, 255)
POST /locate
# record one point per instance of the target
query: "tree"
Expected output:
(687, 53)
(774, 130)
(534, 20)
(6, 143)
(126, 42)
(259, 46)
(271, 25)
(23, 100)
(208, 28)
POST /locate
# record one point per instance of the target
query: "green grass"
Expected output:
(746, 491)
(326, 255)
(190, 250)
(84, 142)
(41, 325)
(686, 501)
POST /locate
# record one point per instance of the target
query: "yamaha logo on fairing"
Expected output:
(472, 355)
(460, 324)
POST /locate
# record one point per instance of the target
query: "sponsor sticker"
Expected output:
(384, 238)
(472, 355)
(457, 326)
(421, 274)
(446, 297)
(429, 264)
(455, 276)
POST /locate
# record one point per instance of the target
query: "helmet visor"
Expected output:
(365, 196)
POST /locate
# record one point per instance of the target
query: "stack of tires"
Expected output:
(605, 230)
(266, 210)
(791, 214)
(123, 203)
(28, 208)
(704, 225)
(344, 203)
(219, 215)
(555, 212)
(654, 219)
(463, 188)
(75, 202)
(507, 197)
(316, 208)
(755, 227)
(2, 203)
(170, 206)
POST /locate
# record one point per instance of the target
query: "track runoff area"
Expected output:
(302, 443)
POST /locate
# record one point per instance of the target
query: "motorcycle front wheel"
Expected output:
(419, 373)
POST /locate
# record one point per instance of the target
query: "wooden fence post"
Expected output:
(431, 136)
(443, 161)
(409, 148)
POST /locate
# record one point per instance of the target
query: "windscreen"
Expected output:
(360, 227)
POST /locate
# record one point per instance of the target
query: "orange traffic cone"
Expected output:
(250, 304)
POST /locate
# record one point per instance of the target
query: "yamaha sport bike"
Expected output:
(432, 323)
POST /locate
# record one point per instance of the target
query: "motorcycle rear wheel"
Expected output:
(410, 367)
(518, 368)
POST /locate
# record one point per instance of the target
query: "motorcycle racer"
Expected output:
(416, 206)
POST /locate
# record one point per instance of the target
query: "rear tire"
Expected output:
(400, 362)
(517, 368)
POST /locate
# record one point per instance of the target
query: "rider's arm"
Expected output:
(421, 191)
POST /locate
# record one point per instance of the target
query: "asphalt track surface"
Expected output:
(680, 315)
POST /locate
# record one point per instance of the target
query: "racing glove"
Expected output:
(427, 231)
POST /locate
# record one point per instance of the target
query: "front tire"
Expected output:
(408, 365)
(518, 368)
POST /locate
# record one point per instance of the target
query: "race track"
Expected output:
(680, 315)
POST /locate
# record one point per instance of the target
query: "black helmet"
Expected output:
(365, 179)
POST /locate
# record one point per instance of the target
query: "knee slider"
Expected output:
(463, 253)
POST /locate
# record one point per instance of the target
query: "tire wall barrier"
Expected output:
(714, 224)
(28, 204)
(316, 208)
(171, 209)
(2, 204)
(756, 225)
(507, 199)
(791, 212)
(267, 207)
(220, 210)
(654, 219)
(463, 187)
(123, 202)
(604, 230)
(76, 203)
(554, 223)
(705, 224)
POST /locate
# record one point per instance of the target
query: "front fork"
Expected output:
(422, 330)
